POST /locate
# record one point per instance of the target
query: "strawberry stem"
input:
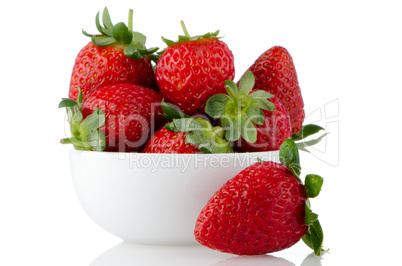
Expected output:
(130, 19)
(184, 29)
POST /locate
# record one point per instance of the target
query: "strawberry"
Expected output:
(166, 141)
(193, 69)
(118, 55)
(272, 133)
(275, 73)
(263, 209)
(186, 134)
(130, 114)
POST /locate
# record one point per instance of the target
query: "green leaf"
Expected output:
(263, 104)
(231, 88)
(78, 145)
(314, 237)
(67, 103)
(247, 129)
(122, 34)
(208, 138)
(184, 39)
(107, 22)
(103, 41)
(306, 131)
(132, 51)
(171, 113)
(195, 137)
(96, 140)
(313, 184)
(309, 143)
(260, 94)
(98, 25)
(77, 116)
(92, 122)
(80, 97)
(86, 33)
(168, 42)
(289, 156)
(187, 124)
(231, 127)
(70, 113)
(205, 150)
(256, 115)
(101, 29)
(171, 127)
(300, 146)
(222, 146)
(149, 51)
(139, 39)
(215, 106)
(246, 83)
(310, 216)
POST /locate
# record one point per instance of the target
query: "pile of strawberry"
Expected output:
(124, 97)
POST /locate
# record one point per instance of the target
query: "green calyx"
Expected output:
(289, 156)
(85, 133)
(134, 42)
(239, 110)
(210, 139)
(187, 37)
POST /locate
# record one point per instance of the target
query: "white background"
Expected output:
(348, 57)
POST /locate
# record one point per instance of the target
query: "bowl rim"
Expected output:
(112, 153)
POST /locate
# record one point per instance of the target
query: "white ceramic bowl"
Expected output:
(153, 198)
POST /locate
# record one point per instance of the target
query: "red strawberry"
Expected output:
(262, 209)
(187, 135)
(166, 141)
(118, 55)
(275, 130)
(259, 211)
(275, 73)
(193, 69)
(131, 114)
(118, 117)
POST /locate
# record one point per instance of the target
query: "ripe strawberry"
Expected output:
(126, 116)
(263, 209)
(259, 211)
(118, 55)
(186, 135)
(275, 73)
(270, 135)
(193, 69)
(166, 141)
(131, 114)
